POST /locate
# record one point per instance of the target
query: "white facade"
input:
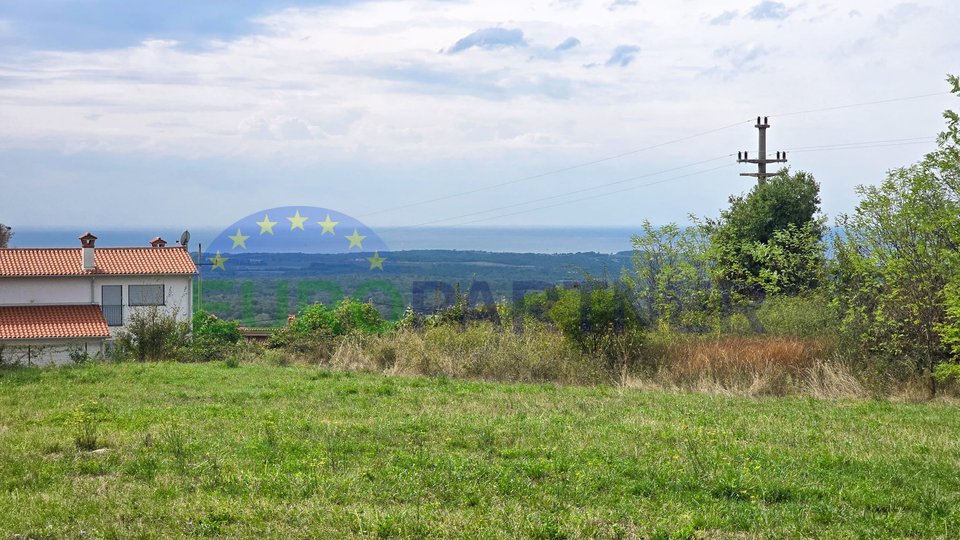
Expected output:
(46, 352)
(177, 292)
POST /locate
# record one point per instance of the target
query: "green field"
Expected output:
(205, 450)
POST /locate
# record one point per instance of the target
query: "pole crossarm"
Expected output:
(762, 161)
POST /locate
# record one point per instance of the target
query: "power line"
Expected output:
(565, 194)
(665, 180)
(637, 151)
(861, 104)
(833, 147)
(554, 171)
(865, 144)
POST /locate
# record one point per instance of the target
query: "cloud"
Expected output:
(622, 56)
(617, 4)
(489, 39)
(567, 44)
(898, 16)
(724, 18)
(769, 11)
(282, 127)
(741, 56)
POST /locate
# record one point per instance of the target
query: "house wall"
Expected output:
(15, 291)
(47, 352)
(178, 297)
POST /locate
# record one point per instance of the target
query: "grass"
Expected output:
(204, 450)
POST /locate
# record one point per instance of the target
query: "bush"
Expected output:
(153, 335)
(807, 316)
(315, 328)
(600, 320)
(212, 337)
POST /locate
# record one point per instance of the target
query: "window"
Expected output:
(112, 304)
(146, 295)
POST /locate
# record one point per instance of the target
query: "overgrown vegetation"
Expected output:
(748, 302)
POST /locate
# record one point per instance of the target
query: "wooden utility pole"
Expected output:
(762, 161)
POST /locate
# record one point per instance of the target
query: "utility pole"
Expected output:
(762, 161)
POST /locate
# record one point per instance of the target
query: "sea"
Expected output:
(550, 240)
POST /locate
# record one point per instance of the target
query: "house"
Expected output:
(58, 304)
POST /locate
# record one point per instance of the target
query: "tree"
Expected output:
(769, 241)
(6, 233)
(672, 276)
(896, 273)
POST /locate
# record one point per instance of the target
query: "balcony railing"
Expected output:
(113, 315)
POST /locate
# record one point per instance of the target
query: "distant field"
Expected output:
(204, 450)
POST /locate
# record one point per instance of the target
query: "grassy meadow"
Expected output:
(150, 450)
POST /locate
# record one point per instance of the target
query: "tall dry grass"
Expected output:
(733, 365)
(749, 365)
(480, 351)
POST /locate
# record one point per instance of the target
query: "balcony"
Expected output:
(113, 315)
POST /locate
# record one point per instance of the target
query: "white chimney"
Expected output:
(87, 241)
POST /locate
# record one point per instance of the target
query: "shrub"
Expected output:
(154, 335)
(672, 277)
(599, 319)
(212, 337)
(807, 316)
(315, 328)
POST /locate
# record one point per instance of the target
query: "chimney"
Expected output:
(87, 241)
(158, 242)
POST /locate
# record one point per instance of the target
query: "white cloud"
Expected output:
(364, 84)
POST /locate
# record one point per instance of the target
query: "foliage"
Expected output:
(315, 327)
(768, 241)
(672, 276)
(600, 319)
(85, 421)
(947, 373)
(212, 337)
(792, 261)
(152, 334)
(810, 315)
(896, 260)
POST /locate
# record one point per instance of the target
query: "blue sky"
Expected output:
(139, 114)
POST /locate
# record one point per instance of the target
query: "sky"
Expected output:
(553, 113)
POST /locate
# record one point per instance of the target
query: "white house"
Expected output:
(55, 302)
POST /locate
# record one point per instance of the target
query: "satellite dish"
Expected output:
(185, 238)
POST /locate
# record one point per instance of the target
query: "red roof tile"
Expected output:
(68, 261)
(39, 322)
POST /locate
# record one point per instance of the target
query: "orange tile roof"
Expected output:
(68, 261)
(39, 322)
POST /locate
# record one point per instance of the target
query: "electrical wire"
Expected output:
(640, 150)
(631, 188)
(556, 171)
(568, 193)
(861, 104)
(819, 148)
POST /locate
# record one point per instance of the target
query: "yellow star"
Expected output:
(355, 240)
(328, 225)
(296, 222)
(218, 261)
(239, 240)
(266, 226)
(376, 261)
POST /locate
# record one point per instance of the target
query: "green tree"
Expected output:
(896, 259)
(672, 276)
(769, 240)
